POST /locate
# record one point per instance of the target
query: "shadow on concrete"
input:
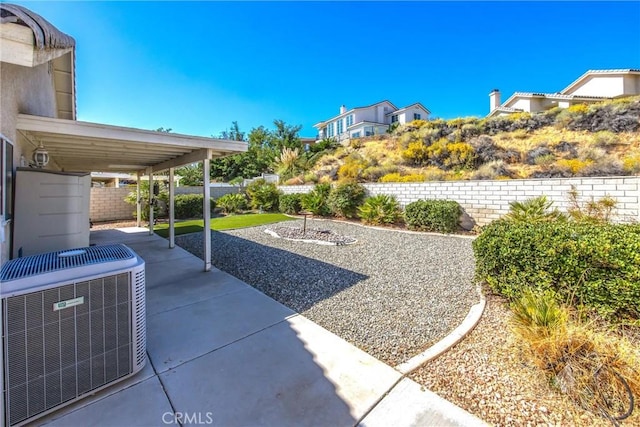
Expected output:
(225, 354)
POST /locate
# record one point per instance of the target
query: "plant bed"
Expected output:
(312, 235)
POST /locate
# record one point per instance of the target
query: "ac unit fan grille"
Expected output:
(54, 356)
(45, 263)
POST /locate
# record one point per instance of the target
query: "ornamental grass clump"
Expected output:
(598, 370)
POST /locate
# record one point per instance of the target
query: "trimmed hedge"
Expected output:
(442, 216)
(190, 206)
(290, 203)
(595, 266)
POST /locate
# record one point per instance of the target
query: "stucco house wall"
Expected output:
(631, 84)
(23, 90)
(523, 104)
(407, 115)
(607, 86)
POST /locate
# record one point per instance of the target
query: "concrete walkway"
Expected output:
(221, 353)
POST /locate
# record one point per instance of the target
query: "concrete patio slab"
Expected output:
(410, 404)
(198, 286)
(158, 275)
(158, 251)
(182, 334)
(294, 373)
(121, 235)
(222, 353)
(143, 404)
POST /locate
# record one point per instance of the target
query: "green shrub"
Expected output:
(190, 206)
(162, 200)
(433, 215)
(591, 265)
(232, 203)
(533, 210)
(345, 199)
(263, 195)
(315, 201)
(416, 153)
(380, 209)
(290, 203)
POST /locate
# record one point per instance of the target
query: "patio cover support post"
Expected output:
(206, 214)
(138, 200)
(150, 173)
(172, 199)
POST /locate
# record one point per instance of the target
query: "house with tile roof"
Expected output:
(592, 86)
(370, 120)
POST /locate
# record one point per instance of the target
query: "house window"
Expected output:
(416, 116)
(349, 120)
(394, 118)
(6, 189)
(330, 132)
(355, 135)
(369, 131)
(340, 123)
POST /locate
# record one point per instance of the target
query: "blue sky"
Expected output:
(196, 67)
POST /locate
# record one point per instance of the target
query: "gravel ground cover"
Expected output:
(487, 375)
(392, 294)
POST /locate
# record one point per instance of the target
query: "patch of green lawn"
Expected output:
(222, 223)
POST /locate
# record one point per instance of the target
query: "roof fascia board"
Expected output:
(96, 130)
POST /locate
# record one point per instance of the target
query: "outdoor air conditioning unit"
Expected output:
(73, 322)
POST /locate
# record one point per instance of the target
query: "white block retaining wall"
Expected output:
(217, 191)
(485, 201)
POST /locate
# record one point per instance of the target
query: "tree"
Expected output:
(286, 136)
(233, 134)
(190, 174)
(264, 146)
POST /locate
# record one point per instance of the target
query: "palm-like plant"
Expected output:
(537, 209)
(380, 209)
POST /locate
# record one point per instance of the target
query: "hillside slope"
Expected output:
(596, 140)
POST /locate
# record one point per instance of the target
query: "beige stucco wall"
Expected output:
(22, 90)
(608, 86)
(632, 84)
(107, 204)
(523, 104)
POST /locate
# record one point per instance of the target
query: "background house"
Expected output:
(371, 120)
(592, 86)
